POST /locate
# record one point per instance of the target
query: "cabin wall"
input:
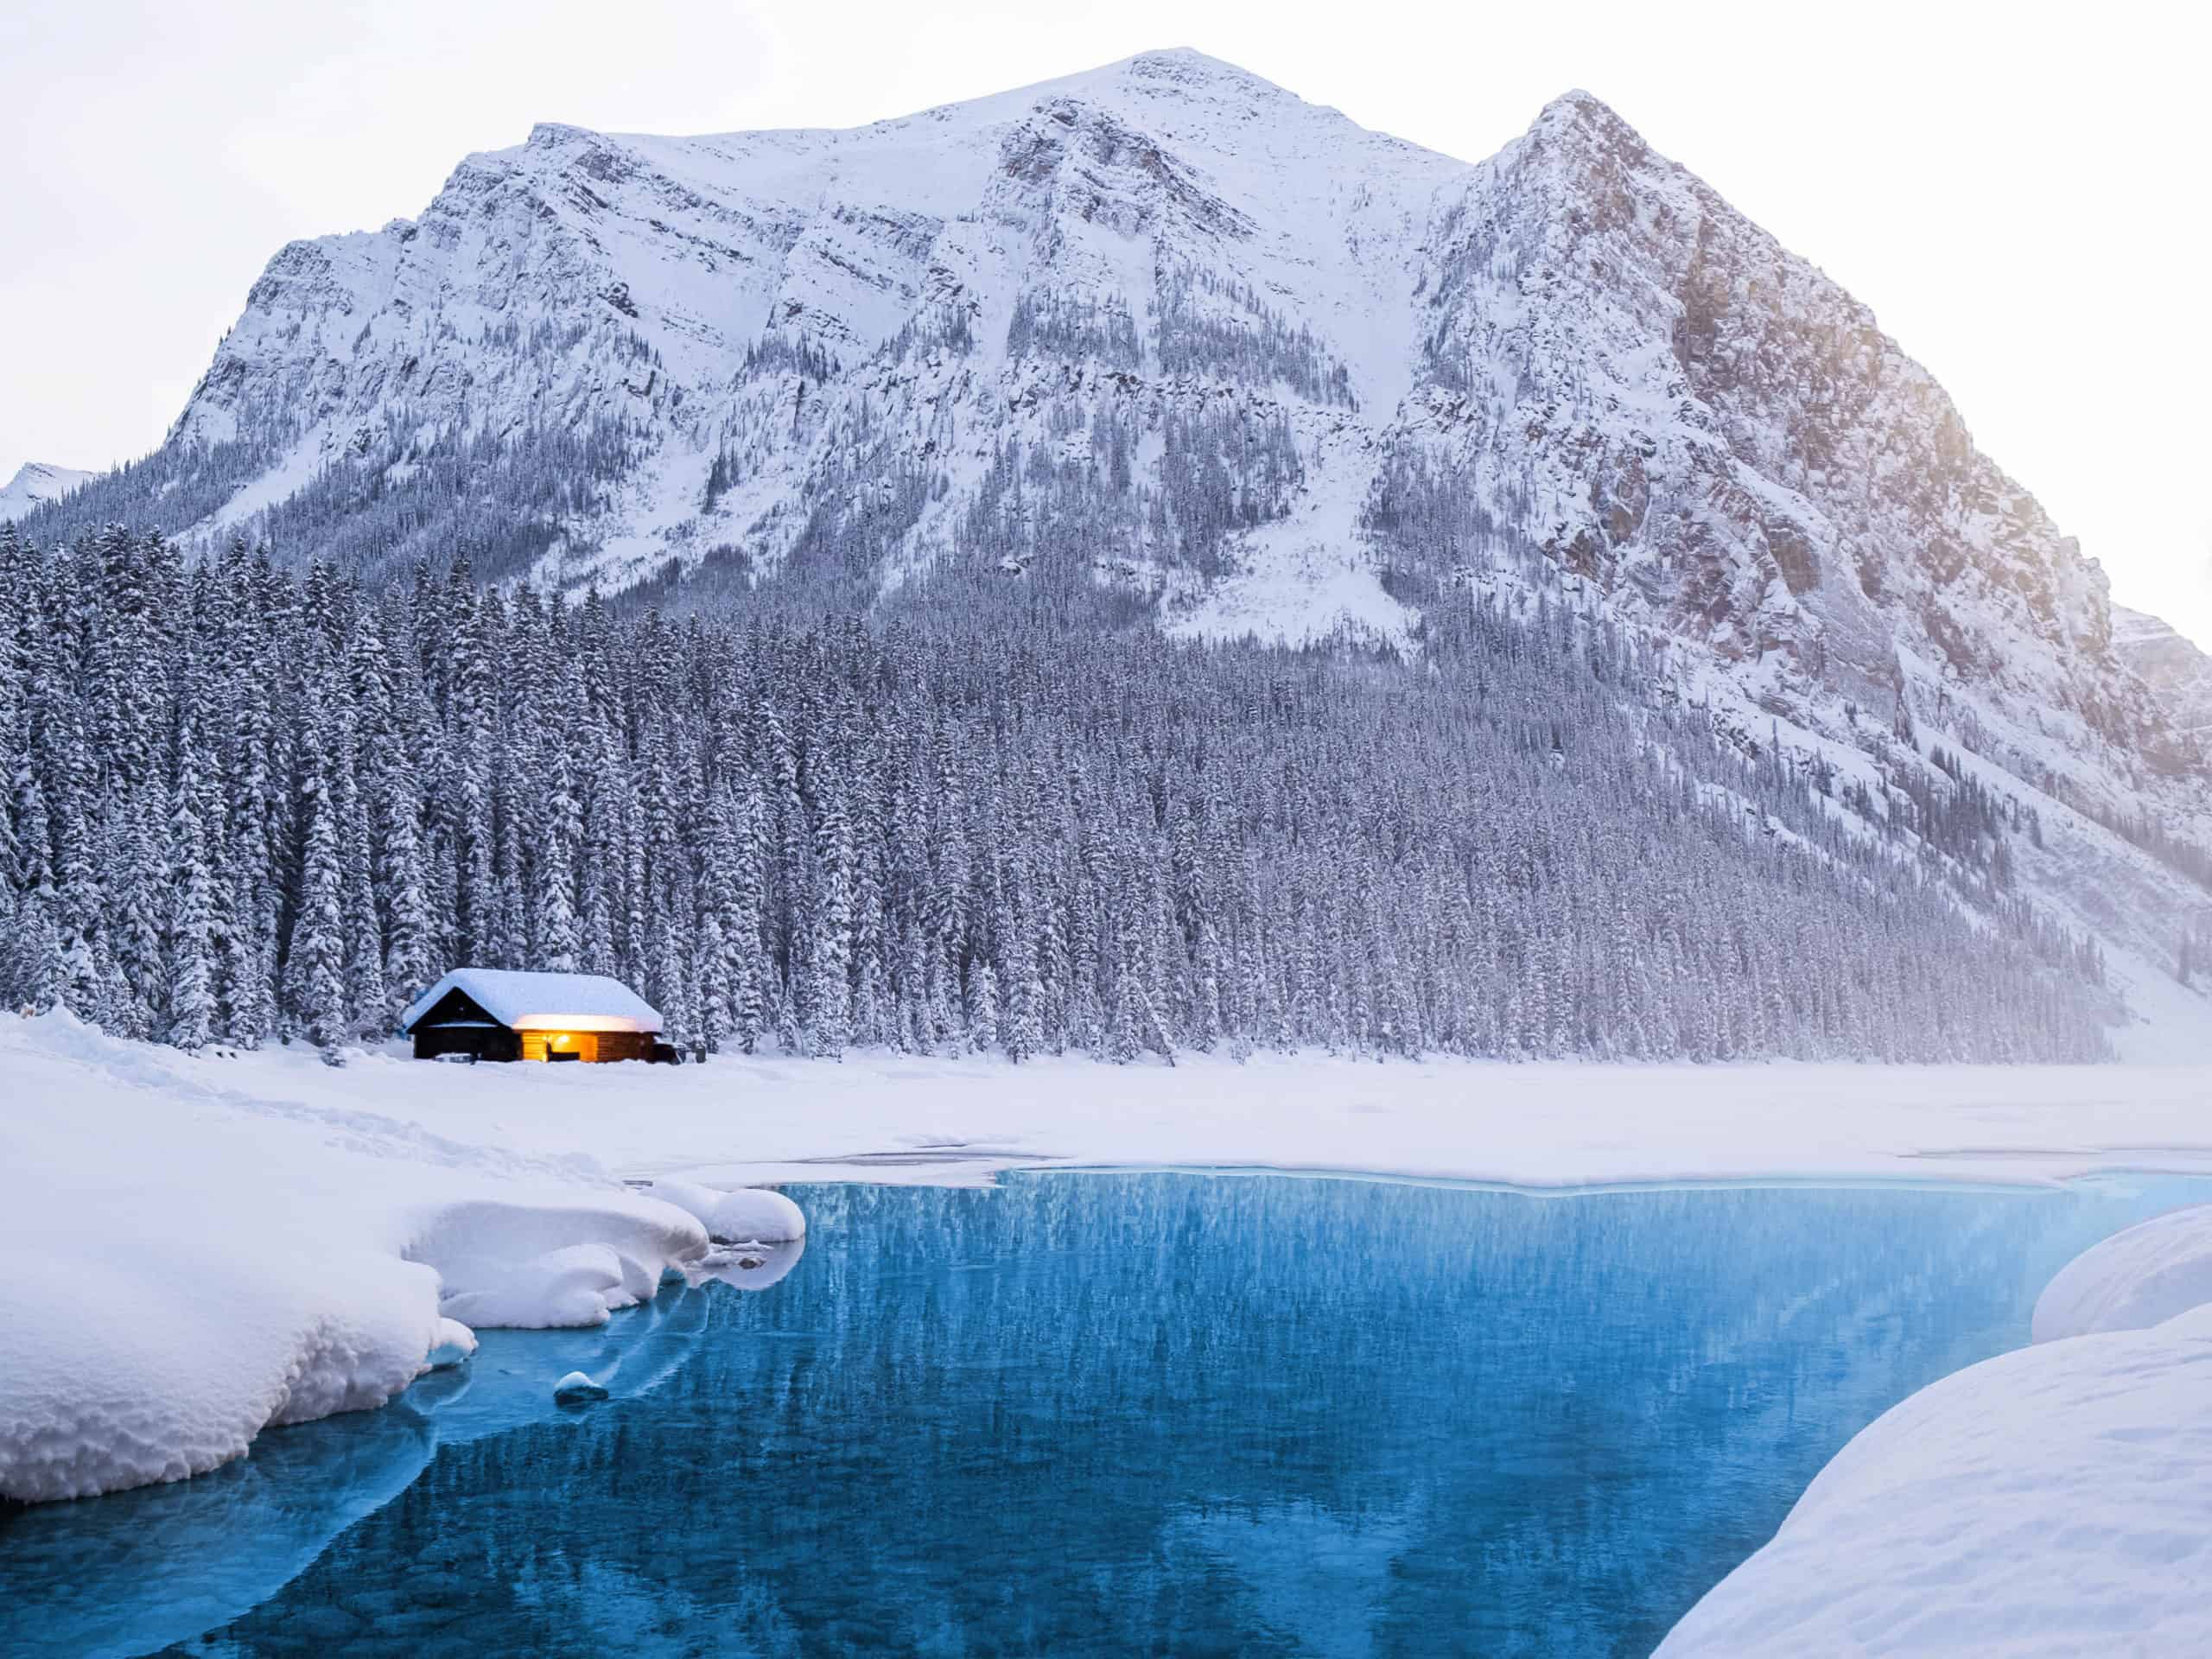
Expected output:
(467, 1029)
(588, 1047)
(485, 1043)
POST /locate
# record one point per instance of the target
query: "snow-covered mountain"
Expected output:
(34, 484)
(1166, 329)
(2170, 663)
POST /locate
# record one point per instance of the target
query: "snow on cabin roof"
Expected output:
(524, 1002)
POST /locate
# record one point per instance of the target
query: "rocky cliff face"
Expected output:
(2178, 674)
(1677, 408)
(1169, 326)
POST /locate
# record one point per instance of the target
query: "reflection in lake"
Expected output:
(1103, 1415)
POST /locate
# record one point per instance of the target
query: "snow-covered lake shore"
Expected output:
(2056, 1500)
(200, 1247)
(890, 1116)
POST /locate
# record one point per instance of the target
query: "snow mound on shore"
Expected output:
(749, 1214)
(578, 1284)
(161, 1360)
(544, 1265)
(2057, 1500)
(187, 1266)
(2135, 1279)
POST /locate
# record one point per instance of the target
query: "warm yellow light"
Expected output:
(560, 1039)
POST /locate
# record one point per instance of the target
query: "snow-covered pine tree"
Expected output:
(1130, 845)
(188, 1009)
(315, 962)
(557, 948)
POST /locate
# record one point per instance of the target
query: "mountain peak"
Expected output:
(36, 483)
(1187, 63)
(1583, 118)
(1577, 103)
(1162, 334)
(1176, 75)
(546, 135)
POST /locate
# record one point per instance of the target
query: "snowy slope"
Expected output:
(2132, 1280)
(842, 306)
(34, 484)
(1167, 326)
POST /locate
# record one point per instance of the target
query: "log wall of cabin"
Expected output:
(588, 1047)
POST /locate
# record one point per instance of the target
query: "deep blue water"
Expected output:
(1079, 1414)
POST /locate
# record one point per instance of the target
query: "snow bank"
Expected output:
(579, 1284)
(134, 1358)
(455, 1342)
(2055, 1500)
(749, 1214)
(187, 1265)
(541, 1265)
(2135, 1279)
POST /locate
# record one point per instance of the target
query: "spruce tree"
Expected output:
(189, 1011)
(315, 963)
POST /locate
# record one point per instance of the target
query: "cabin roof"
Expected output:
(524, 1002)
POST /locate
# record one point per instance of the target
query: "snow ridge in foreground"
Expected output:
(2135, 1279)
(2057, 1500)
(184, 1274)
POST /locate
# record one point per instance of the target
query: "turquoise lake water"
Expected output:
(1076, 1415)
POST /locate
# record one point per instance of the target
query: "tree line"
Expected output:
(244, 806)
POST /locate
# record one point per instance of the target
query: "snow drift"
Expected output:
(188, 1267)
(2134, 1279)
(2057, 1500)
(735, 1218)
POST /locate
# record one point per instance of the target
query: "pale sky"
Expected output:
(2020, 196)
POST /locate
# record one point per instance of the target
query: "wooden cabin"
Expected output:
(495, 1014)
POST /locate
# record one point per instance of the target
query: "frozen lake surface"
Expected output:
(1104, 1414)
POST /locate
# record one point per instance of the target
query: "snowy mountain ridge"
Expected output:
(36, 484)
(1165, 328)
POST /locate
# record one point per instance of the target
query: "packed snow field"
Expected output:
(200, 1247)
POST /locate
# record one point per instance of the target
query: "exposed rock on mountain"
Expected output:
(2177, 671)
